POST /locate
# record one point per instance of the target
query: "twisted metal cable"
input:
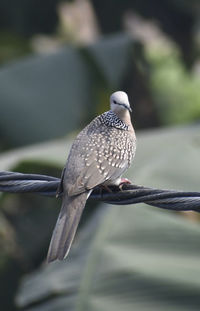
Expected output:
(129, 194)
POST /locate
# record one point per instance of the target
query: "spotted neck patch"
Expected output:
(109, 118)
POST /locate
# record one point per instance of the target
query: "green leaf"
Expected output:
(46, 96)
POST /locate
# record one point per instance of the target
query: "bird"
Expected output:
(99, 156)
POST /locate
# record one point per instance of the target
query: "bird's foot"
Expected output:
(106, 188)
(59, 191)
(124, 181)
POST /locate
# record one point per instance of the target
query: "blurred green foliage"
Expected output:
(124, 257)
(153, 253)
(13, 46)
(47, 96)
(175, 90)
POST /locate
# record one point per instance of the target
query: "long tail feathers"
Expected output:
(66, 226)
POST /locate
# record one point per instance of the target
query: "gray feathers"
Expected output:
(66, 226)
(100, 154)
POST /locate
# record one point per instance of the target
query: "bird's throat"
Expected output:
(124, 116)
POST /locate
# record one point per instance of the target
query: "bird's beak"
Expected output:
(126, 107)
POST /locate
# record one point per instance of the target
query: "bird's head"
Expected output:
(119, 102)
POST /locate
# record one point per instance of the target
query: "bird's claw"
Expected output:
(124, 181)
(104, 187)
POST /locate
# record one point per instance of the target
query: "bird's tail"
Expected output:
(66, 226)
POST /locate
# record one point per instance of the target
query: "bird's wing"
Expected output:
(89, 166)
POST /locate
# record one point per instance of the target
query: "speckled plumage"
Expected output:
(100, 154)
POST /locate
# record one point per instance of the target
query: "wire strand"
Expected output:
(12, 182)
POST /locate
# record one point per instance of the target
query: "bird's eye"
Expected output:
(114, 101)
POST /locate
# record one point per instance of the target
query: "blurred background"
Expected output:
(59, 63)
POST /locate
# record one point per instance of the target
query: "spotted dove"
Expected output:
(100, 154)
